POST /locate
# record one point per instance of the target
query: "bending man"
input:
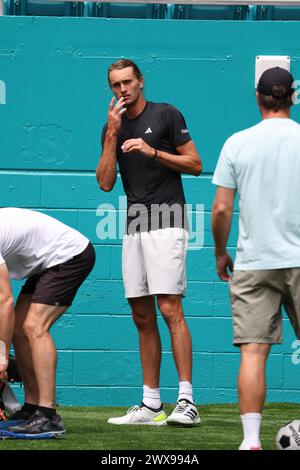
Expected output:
(55, 259)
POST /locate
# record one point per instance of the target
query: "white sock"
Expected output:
(151, 397)
(251, 426)
(185, 391)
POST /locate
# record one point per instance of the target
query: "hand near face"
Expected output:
(138, 145)
(115, 112)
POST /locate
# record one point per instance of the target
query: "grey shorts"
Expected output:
(256, 301)
(155, 262)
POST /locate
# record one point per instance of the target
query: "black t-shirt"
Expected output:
(155, 197)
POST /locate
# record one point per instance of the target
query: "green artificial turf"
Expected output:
(220, 429)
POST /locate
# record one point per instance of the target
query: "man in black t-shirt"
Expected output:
(152, 146)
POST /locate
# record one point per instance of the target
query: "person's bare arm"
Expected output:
(188, 160)
(221, 223)
(106, 172)
(7, 318)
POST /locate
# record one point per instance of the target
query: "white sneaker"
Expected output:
(141, 415)
(185, 413)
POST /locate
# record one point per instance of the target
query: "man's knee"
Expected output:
(170, 308)
(255, 351)
(143, 314)
(32, 329)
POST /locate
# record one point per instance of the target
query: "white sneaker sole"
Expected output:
(182, 422)
(44, 435)
(152, 423)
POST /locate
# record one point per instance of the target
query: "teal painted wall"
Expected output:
(56, 103)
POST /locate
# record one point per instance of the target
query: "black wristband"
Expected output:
(155, 154)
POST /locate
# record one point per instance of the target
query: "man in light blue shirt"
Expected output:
(262, 163)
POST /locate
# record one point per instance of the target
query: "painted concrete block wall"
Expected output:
(56, 103)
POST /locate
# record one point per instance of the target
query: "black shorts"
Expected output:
(59, 284)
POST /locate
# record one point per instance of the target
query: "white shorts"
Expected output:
(155, 262)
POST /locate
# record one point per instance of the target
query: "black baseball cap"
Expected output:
(275, 76)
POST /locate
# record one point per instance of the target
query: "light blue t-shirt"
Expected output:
(263, 164)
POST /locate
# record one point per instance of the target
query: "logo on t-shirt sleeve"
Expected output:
(184, 131)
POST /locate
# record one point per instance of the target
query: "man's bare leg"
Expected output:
(252, 390)
(172, 312)
(23, 352)
(144, 317)
(251, 380)
(185, 413)
(36, 327)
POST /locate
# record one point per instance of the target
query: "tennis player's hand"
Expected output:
(115, 112)
(138, 145)
(224, 266)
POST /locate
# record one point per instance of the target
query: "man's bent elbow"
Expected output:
(104, 186)
(197, 169)
(221, 210)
